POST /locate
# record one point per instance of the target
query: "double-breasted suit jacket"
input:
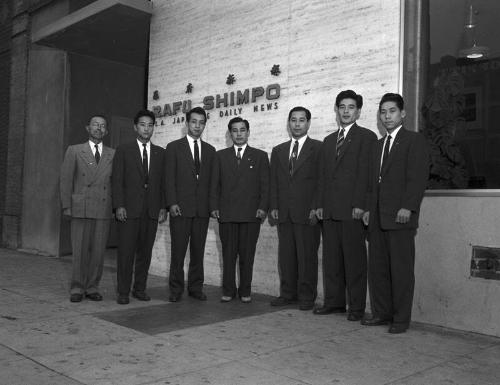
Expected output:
(85, 185)
(343, 186)
(239, 191)
(191, 193)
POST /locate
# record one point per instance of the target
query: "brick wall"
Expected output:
(322, 47)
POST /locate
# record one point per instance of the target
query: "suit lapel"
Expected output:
(400, 137)
(284, 156)
(186, 150)
(88, 158)
(305, 152)
(105, 160)
(137, 154)
(347, 141)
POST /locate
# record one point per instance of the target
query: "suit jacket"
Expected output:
(403, 180)
(294, 196)
(182, 186)
(85, 185)
(343, 181)
(239, 191)
(128, 180)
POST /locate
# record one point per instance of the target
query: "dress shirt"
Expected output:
(191, 145)
(393, 136)
(92, 147)
(301, 143)
(242, 150)
(148, 149)
(346, 129)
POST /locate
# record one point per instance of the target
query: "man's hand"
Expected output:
(121, 214)
(162, 215)
(274, 214)
(215, 214)
(366, 218)
(312, 217)
(261, 214)
(175, 211)
(67, 212)
(357, 213)
(319, 213)
(403, 216)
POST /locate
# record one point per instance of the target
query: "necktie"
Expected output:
(238, 156)
(196, 158)
(386, 152)
(293, 158)
(145, 159)
(340, 141)
(97, 155)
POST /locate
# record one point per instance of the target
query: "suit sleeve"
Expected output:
(320, 180)
(362, 172)
(117, 179)
(274, 194)
(417, 173)
(369, 196)
(215, 183)
(163, 185)
(66, 178)
(170, 177)
(264, 183)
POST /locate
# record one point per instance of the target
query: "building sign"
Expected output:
(228, 104)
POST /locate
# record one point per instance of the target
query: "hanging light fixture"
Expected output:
(472, 50)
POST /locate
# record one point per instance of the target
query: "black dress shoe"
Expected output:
(198, 295)
(122, 300)
(397, 328)
(174, 298)
(375, 321)
(355, 316)
(281, 301)
(141, 296)
(93, 296)
(76, 297)
(329, 310)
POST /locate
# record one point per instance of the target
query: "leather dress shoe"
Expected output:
(398, 328)
(76, 297)
(355, 316)
(199, 295)
(226, 298)
(174, 297)
(329, 310)
(141, 296)
(375, 321)
(93, 296)
(306, 306)
(122, 300)
(246, 299)
(281, 301)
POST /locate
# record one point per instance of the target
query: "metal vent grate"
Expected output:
(485, 262)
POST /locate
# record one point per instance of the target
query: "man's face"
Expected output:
(196, 125)
(144, 128)
(391, 116)
(239, 133)
(97, 129)
(298, 124)
(348, 112)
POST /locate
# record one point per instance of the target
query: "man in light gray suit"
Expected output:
(85, 186)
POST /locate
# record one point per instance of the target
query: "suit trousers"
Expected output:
(239, 241)
(344, 264)
(183, 231)
(298, 261)
(136, 237)
(391, 273)
(88, 241)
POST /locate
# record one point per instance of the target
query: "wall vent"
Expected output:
(485, 262)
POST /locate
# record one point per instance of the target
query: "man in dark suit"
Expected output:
(294, 177)
(139, 201)
(239, 194)
(399, 173)
(188, 167)
(85, 187)
(342, 192)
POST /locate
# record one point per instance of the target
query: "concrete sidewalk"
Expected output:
(45, 339)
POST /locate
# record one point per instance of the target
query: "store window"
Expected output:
(461, 98)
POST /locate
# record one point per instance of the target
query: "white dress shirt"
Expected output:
(148, 149)
(301, 143)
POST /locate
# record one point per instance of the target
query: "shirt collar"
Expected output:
(92, 146)
(347, 128)
(191, 139)
(393, 133)
(243, 148)
(148, 144)
(300, 140)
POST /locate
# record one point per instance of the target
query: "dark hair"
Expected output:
(300, 108)
(98, 116)
(142, 113)
(196, 110)
(390, 97)
(349, 94)
(237, 120)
